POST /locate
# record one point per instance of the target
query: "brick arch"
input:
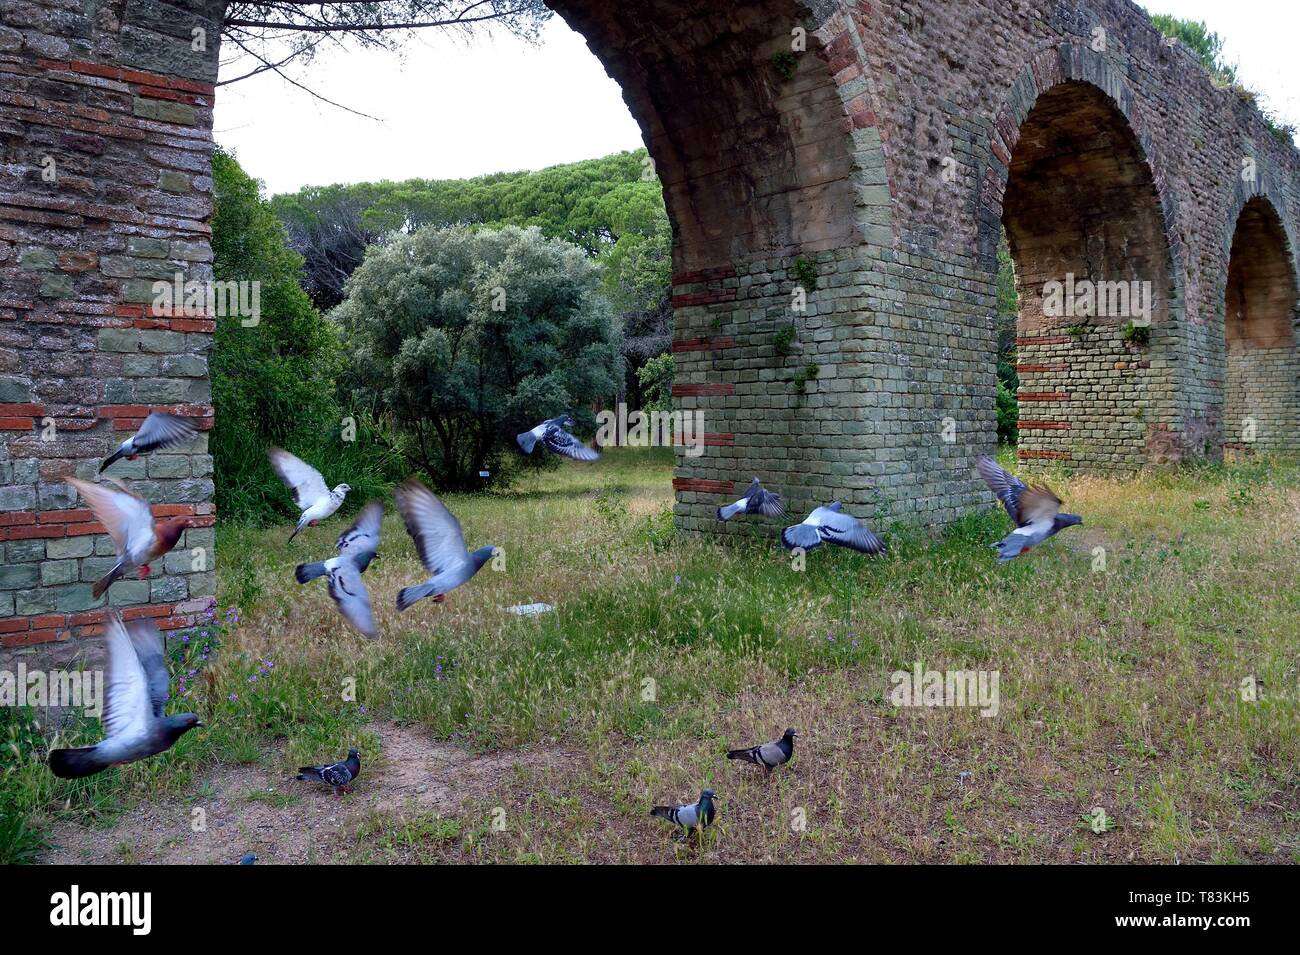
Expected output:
(1261, 406)
(1073, 178)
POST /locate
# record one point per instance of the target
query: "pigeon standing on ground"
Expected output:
(757, 500)
(1036, 510)
(313, 498)
(135, 692)
(357, 546)
(128, 520)
(159, 430)
(697, 815)
(768, 755)
(439, 542)
(337, 775)
(552, 433)
(832, 525)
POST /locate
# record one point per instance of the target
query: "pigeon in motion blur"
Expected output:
(337, 775)
(135, 693)
(553, 435)
(1036, 510)
(768, 755)
(247, 859)
(439, 542)
(313, 498)
(356, 546)
(159, 430)
(696, 816)
(128, 520)
(757, 500)
(832, 525)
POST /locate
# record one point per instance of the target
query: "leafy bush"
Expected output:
(463, 338)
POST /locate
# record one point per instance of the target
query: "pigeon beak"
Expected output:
(198, 722)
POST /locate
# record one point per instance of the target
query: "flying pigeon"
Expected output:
(698, 815)
(135, 692)
(313, 498)
(337, 775)
(356, 546)
(769, 755)
(438, 540)
(136, 538)
(831, 524)
(1036, 510)
(757, 500)
(552, 433)
(159, 430)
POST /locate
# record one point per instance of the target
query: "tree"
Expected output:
(273, 382)
(462, 338)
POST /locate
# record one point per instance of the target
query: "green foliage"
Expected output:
(783, 340)
(1008, 409)
(273, 383)
(805, 273)
(806, 374)
(656, 378)
(1136, 334)
(463, 338)
(783, 62)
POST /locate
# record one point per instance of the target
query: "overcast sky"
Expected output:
(452, 108)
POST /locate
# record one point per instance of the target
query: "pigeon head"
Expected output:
(482, 555)
(174, 727)
(169, 531)
(342, 490)
(707, 795)
(1068, 520)
(354, 752)
(791, 734)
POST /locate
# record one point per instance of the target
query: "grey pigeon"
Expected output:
(247, 859)
(337, 775)
(314, 499)
(356, 546)
(832, 525)
(1036, 510)
(439, 542)
(757, 500)
(553, 435)
(697, 815)
(135, 692)
(768, 755)
(159, 430)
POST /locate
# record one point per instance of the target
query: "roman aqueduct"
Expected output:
(868, 152)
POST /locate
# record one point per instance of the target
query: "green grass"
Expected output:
(1119, 687)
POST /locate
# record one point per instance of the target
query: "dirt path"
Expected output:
(246, 809)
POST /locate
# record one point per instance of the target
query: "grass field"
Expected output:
(487, 737)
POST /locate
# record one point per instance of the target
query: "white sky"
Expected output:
(452, 107)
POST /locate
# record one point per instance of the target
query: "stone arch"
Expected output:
(1261, 366)
(1075, 182)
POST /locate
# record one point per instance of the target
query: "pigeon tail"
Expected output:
(527, 441)
(729, 511)
(76, 763)
(664, 812)
(800, 535)
(306, 572)
(309, 773)
(115, 456)
(301, 525)
(749, 755)
(107, 580)
(409, 595)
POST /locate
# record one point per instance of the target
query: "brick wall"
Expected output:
(105, 187)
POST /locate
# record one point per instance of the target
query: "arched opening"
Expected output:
(1260, 406)
(1092, 278)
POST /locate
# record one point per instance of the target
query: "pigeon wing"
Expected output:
(352, 598)
(301, 478)
(125, 516)
(161, 430)
(1039, 506)
(127, 707)
(770, 504)
(1008, 488)
(435, 530)
(848, 531)
(148, 644)
(360, 542)
(561, 442)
